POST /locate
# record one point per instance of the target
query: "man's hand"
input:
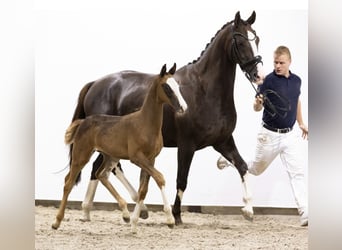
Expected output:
(258, 102)
(305, 131)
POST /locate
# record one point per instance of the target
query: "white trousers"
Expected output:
(271, 144)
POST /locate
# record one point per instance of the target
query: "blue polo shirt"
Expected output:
(283, 94)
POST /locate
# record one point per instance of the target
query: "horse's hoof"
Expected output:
(223, 163)
(144, 214)
(84, 220)
(178, 221)
(247, 214)
(127, 220)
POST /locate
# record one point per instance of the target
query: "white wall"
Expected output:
(78, 45)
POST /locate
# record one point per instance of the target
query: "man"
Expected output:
(279, 97)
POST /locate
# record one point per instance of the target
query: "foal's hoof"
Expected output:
(171, 225)
(247, 214)
(143, 214)
(55, 226)
(127, 220)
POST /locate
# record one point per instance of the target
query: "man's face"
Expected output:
(282, 64)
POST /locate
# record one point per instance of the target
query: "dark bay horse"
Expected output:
(136, 136)
(207, 85)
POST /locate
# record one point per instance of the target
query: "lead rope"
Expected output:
(274, 110)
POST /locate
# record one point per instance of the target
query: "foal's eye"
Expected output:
(167, 89)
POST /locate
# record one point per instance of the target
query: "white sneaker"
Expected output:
(304, 219)
(223, 163)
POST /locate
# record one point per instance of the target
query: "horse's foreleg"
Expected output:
(247, 210)
(133, 193)
(102, 174)
(230, 152)
(185, 155)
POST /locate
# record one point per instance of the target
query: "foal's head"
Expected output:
(168, 90)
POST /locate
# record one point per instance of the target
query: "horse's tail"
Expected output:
(79, 113)
(71, 131)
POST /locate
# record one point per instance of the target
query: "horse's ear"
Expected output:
(251, 19)
(237, 19)
(163, 70)
(173, 69)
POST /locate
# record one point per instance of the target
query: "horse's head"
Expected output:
(244, 47)
(169, 90)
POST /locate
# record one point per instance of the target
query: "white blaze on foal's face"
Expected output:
(252, 41)
(175, 87)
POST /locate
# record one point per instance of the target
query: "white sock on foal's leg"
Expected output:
(170, 220)
(87, 203)
(135, 216)
(134, 195)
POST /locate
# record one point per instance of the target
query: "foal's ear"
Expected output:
(173, 69)
(163, 70)
(237, 19)
(251, 19)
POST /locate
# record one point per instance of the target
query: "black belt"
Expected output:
(278, 130)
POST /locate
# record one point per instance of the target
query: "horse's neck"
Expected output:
(216, 72)
(215, 75)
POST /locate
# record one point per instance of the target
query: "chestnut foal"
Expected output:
(136, 136)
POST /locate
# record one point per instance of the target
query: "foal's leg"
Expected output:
(143, 187)
(230, 152)
(70, 180)
(87, 203)
(102, 174)
(148, 169)
(134, 195)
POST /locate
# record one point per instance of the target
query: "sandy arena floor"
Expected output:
(107, 230)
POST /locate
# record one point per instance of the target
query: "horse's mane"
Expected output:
(211, 40)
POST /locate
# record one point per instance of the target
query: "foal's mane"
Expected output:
(211, 40)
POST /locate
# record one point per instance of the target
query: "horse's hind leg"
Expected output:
(102, 174)
(230, 152)
(133, 193)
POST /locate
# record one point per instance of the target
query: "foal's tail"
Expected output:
(71, 131)
(79, 113)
